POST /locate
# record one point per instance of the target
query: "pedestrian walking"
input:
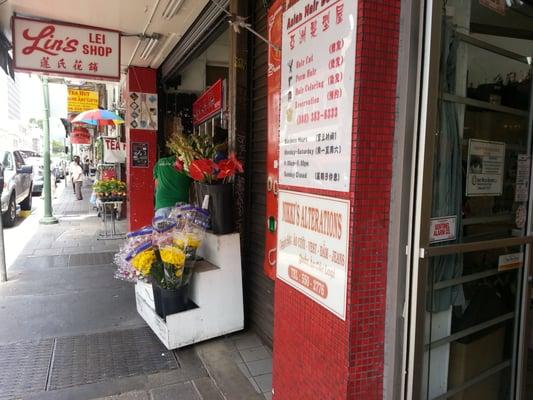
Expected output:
(75, 161)
(86, 167)
(77, 178)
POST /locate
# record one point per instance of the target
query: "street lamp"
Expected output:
(47, 218)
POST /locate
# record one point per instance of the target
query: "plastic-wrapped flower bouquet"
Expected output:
(164, 255)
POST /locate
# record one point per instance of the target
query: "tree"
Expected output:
(36, 122)
(57, 147)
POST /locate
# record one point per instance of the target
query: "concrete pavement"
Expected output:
(69, 330)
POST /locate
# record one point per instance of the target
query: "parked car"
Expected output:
(36, 161)
(18, 184)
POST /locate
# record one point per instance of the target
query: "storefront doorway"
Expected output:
(468, 331)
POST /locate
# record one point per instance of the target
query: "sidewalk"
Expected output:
(69, 330)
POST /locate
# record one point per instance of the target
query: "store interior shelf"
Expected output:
(488, 219)
(216, 290)
(492, 48)
(483, 105)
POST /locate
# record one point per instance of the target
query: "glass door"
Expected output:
(472, 230)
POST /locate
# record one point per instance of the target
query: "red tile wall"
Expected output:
(374, 121)
(316, 354)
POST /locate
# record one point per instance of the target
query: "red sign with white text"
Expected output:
(80, 136)
(275, 19)
(58, 48)
(209, 103)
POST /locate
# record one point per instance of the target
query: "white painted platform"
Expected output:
(216, 290)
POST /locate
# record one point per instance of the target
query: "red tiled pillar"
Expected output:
(140, 178)
(316, 354)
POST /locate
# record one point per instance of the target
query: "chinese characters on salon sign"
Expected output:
(56, 48)
(313, 247)
(317, 84)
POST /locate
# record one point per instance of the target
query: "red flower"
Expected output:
(201, 170)
(229, 167)
(178, 165)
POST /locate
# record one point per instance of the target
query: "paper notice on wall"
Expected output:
(486, 162)
(313, 247)
(523, 167)
(442, 229)
(510, 261)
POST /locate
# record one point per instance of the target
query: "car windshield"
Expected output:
(35, 161)
(25, 154)
(5, 159)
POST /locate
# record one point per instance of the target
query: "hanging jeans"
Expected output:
(77, 190)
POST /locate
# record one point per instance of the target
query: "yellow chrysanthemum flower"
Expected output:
(143, 261)
(179, 271)
(172, 255)
(180, 243)
(193, 241)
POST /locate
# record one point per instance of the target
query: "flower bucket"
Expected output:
(168, 301)
(220, 205)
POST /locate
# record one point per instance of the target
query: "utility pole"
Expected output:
(47, 218)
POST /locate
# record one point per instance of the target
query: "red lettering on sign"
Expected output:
(45, 42)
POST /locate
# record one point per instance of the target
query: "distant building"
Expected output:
(15, 133)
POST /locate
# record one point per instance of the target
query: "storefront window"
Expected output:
(479, 202)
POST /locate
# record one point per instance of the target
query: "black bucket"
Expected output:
(170, 301)
(220, 205)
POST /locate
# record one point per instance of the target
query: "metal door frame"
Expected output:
(418, 251)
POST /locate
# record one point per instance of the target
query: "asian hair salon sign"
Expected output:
(57, 48)
(317, 86)
(313, 247)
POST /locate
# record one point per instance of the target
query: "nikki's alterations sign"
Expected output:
(313, 247)
(58, 48)
(317, 86)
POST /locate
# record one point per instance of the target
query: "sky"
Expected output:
(31, 97)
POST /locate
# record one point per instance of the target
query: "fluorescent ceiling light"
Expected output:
(172, 8)
(150, 46)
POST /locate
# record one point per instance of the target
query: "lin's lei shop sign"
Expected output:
(57, 48)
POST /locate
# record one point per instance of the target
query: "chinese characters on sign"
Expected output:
(317, 84)
(56, 48)
(313, 247)
(209, 103)
(485, 168)
(81, 100)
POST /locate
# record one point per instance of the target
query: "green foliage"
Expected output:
(57, 147)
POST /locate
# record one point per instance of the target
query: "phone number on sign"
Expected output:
(315, 116)
(308, 281)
